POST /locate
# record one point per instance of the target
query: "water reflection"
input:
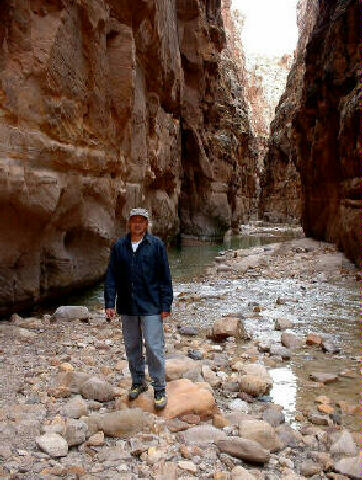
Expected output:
(284, 391)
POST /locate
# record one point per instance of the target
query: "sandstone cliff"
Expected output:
(327, 129)
(106, 105)
(280, 199)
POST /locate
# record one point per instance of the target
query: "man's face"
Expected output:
(138, 225)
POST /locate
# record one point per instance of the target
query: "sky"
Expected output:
(270, 26)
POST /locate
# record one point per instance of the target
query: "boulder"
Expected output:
(123, 423)
(202, 435)
(76, 432)
(176, 368)
(246, 450)
(352, 467)
(76, 407)
(53, 444)
(282, 324)
(227, 327)
(97, 389)
(291, 341)
(188, 331)
(261, 432)
(71, 312)
(280, 352)
(308, 468)
(184, 396)
(253, 385)
(273, 415)
(257, 370)
(344, 445)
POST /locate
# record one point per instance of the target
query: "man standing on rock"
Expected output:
(138, 275)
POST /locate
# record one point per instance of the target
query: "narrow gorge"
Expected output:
(151, 105)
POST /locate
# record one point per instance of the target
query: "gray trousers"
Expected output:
(150, 327)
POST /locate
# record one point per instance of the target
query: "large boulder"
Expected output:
(228, 327)
(76, 432)
(257, 370)
(71, 312)
(246, 450)
(260, 432)
(119, 424)
(184, 396)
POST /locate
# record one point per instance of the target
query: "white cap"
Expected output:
(139, 211)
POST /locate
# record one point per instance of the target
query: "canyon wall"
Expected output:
(106, 105)
(327, 129)
(280, 199)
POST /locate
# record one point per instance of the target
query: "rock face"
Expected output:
(105, 106)
(327, 129)
(316, 128)
(280, 200)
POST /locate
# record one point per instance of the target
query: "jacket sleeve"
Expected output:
(110, 281)
(165, 281)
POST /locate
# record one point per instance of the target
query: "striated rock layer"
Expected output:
(312, 169)
(280, 200)
(105, 105)
(328, 126)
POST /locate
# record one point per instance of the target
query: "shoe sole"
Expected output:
(160, 407)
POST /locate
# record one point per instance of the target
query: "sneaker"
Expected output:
(136, 390)
(160, 400)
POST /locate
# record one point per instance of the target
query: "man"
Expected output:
(138, 275)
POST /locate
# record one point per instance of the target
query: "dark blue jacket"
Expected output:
(141, 281)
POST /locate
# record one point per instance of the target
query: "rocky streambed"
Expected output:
(263, 379)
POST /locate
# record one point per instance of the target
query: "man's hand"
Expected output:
(165, 314)
(110, 312)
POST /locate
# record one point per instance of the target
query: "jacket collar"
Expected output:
(145, 238)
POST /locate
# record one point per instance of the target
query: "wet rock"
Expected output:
(76, 432)
(122, 423)
(253, 385)
(282, 324)
(291, 341)
(52, 444)
(228, 327)
(261, 432)
(97, 389)
(352, 467)
(344, 445)
(202, 435)
(76, 407)
(323, 377)
(247, 450)
(188, 331)
(176, 368)
(309, 468)
(184, 397)
(71, 313)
